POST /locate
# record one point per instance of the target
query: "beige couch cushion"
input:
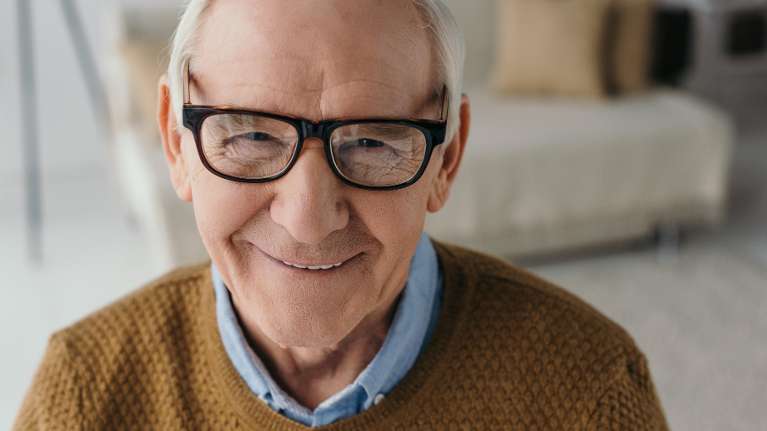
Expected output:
(549, 174)
(628, 55)
(551, 47)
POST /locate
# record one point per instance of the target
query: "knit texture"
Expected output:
(510, 351)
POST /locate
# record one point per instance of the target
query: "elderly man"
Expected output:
(312, 137)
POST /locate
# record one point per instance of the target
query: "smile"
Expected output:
(313, 268)
(306, 266)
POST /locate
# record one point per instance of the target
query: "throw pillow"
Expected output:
(551, 47)
(629, 39)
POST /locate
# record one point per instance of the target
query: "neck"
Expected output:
(311, 375)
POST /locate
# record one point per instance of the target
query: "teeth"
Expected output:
(313, 268)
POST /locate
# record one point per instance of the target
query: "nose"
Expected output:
(308, 201)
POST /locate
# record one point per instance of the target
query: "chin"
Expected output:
(310, 313)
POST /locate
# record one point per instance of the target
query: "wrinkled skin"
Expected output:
(315, 330)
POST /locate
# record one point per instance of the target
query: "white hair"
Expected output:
(447, 43)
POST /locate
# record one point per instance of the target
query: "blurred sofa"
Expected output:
(546, 175)
(541, 175)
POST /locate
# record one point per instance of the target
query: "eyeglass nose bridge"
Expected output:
(310, 129)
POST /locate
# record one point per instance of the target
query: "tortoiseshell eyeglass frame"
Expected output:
(194, 115)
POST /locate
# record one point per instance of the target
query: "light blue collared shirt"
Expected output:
(407, 336)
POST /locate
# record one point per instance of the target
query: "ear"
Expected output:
(171, 142)
(451, 156)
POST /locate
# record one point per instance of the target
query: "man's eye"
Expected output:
(364, 146)
(368, 143)
(256, 136)
(250, 138)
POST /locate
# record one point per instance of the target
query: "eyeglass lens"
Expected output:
(253, 147)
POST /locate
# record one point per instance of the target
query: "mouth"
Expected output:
(313, 267)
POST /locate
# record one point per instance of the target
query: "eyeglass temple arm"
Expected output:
(445, 107)
(186, 82)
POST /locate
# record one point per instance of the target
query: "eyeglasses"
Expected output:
(255, 147)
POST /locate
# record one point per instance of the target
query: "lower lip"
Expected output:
(312, 272)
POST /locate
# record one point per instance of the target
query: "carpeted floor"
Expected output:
(701, 318)
(699, 315)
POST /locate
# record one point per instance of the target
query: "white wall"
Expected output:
(477, 21)
(69, 139)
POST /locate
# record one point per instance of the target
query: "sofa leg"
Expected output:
(668, 241)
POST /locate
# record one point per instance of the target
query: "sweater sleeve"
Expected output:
(630, 402)
(53, 400)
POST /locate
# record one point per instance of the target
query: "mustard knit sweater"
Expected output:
(510, 351)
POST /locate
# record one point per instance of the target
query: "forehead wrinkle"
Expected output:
(322, 107)
(317, 98)
(308, 90)
(197, 79)
(264, 103)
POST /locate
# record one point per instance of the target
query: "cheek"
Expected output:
(222, 207)
(401, 216)
(395, 219)
(405, 210)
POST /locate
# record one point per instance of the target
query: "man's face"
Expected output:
(316, 60)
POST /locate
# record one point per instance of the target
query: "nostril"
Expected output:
(308, 216)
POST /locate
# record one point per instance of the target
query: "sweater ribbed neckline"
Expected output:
(428, 369)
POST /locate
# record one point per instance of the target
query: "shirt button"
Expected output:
(378, 398)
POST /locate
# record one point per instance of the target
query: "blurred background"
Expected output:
(618, 148)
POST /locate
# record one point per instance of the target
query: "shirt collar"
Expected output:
(407, 333)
